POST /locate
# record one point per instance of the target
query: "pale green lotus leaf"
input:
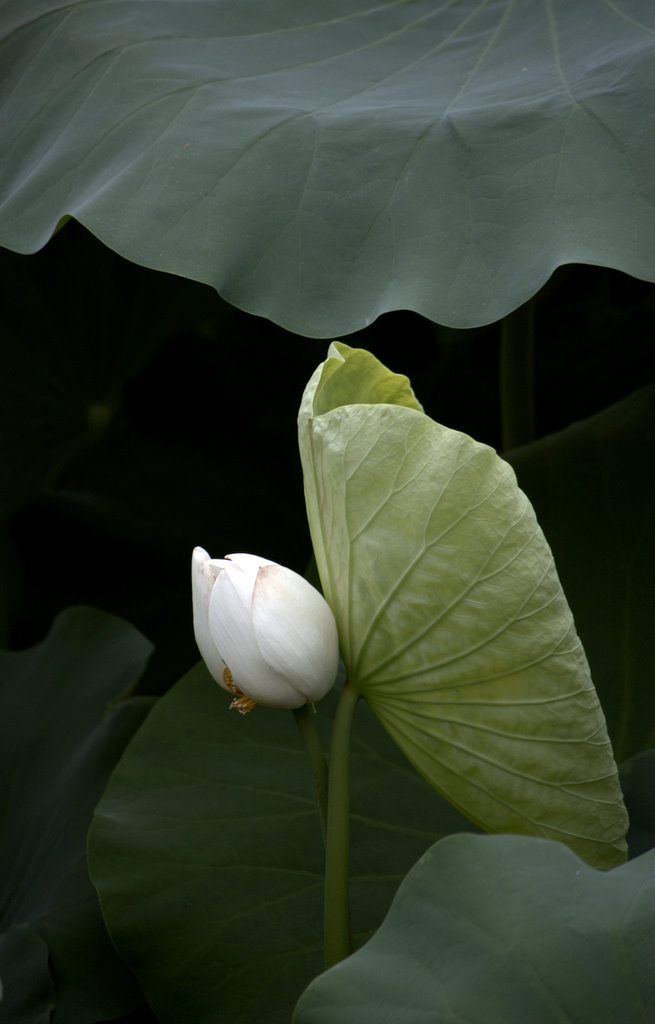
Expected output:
(452, 621)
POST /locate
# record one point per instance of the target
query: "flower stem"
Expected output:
(517, 376)
(338, 943)
(304, 717)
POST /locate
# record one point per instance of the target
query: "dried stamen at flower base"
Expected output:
(241, 703)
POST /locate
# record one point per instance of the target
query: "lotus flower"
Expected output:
(265, 633)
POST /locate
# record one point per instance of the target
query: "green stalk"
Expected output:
(304, 717)
(517, 376)
(338, 943)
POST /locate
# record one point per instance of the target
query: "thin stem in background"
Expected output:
(304, 717)
(338, 941)
(517, 376)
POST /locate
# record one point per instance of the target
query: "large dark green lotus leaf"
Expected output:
(502, 930)
(320, 164)
(207, 853)
(593, 490)
(59, 740)
(452, 620)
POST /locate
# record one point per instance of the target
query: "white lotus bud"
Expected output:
(264, 632)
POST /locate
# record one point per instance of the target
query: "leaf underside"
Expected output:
(453, 623)
(320, 166)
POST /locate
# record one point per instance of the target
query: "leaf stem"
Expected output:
(338, 941)
(517, 376)
(304, 717)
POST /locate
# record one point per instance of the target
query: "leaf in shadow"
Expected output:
(61, 736)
